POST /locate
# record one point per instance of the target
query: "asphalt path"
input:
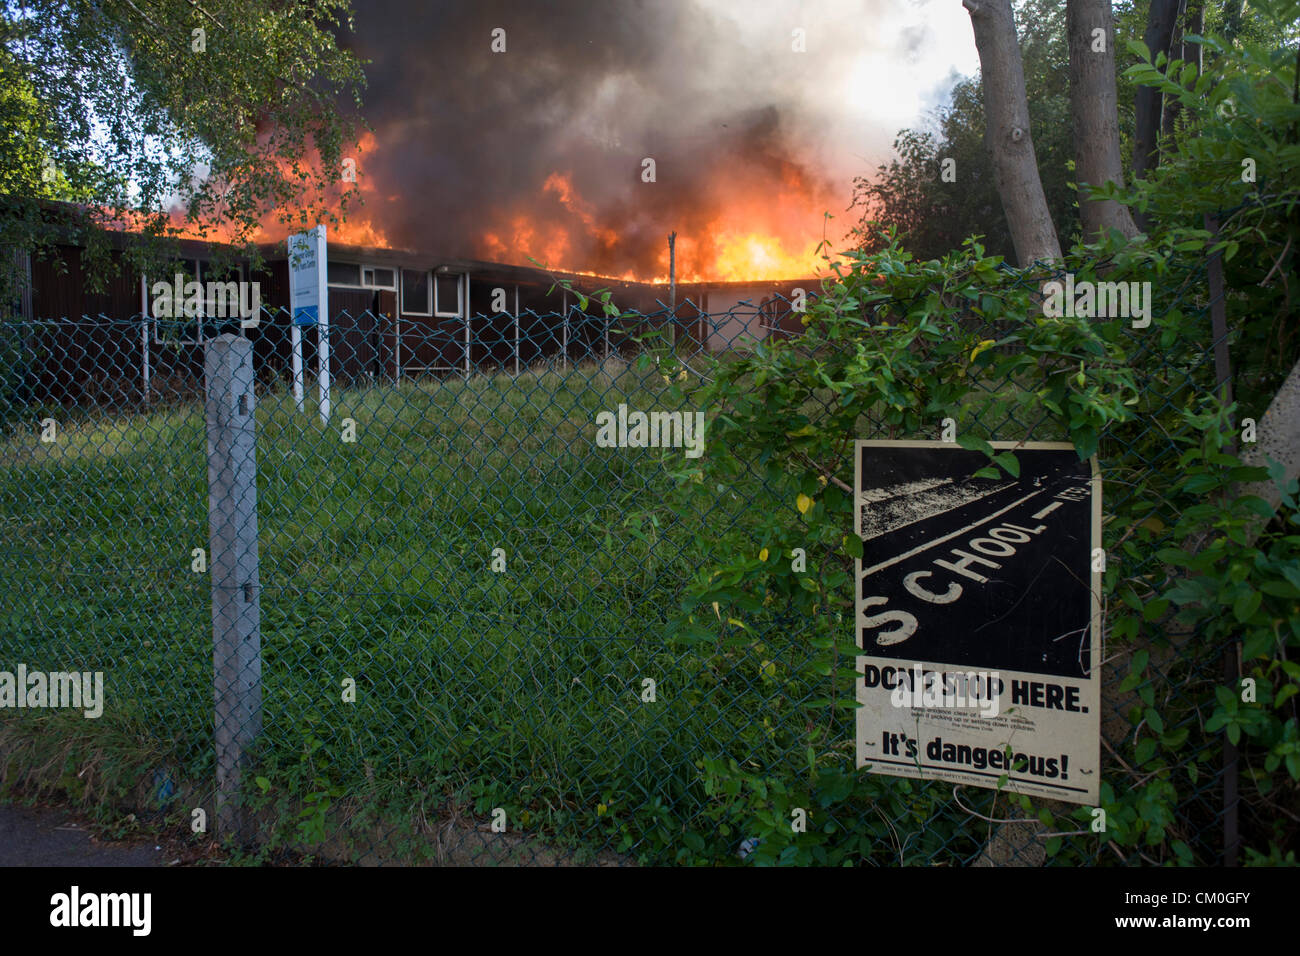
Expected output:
(46, 837)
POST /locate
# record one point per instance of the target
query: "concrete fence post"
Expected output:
(232, 563)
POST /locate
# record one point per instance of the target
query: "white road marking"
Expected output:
(879, 517)
(947, 537)
(1048, 510)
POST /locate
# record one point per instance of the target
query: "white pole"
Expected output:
(323, 329)
(397, 358)
(144, 333)
(516, 329)
(706, 320)
(465, 279)
(295, 338)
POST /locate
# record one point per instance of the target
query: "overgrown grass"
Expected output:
(474, 690)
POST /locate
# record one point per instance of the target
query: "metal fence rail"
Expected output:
(462, 602)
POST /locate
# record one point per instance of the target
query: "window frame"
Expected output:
(460, 295)
(428, 289)
(359, 284)
(373, 283)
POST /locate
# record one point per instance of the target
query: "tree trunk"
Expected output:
(1195, 25)
(1094, 110)
(1232, 10)
(1006, 131)
(1171, 105)
(1279, 439)
(1015, 172)
(1148, 102)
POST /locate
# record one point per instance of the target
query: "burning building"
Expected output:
(394, 314)
(509, 143)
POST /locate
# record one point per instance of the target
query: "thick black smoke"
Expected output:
(465, 137)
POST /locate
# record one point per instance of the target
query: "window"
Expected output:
(343, 273)
(447, 295)
(416, 291)
(376, 278)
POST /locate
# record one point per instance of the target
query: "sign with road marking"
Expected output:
(978, 615)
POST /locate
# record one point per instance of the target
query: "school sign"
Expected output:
(978, 615)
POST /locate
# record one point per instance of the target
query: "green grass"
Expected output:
(474, 690)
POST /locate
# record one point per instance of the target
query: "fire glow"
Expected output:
(359, 228)
(759, 224)
(761, 230)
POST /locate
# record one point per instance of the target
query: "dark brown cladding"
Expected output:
(95, 347)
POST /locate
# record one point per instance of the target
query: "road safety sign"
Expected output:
(978, 615)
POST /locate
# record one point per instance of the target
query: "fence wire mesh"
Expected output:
(463, 602)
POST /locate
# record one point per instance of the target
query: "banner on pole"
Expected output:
(309, 303)
(308, 292)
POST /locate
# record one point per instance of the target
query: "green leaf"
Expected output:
(1009, 463)
(975, 443)
(1139, 49)
(1153, 720)
(1155, 610)
(1292, 574)
(1085, 443)
(1246, 605)
(1175, 738)
(1282, 589)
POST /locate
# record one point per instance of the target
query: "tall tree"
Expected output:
(159, 114)
(1148, 102)
(1090, 28)
(1011, 146)
(1191, 22)
(1232, 11)
(939, 189)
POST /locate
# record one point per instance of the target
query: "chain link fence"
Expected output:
(453, 643)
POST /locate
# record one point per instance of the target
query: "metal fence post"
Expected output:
(1231, 659)
(236, 613)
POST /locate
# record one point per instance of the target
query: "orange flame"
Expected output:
(763, 228)
(762, 223)
(359, 229)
